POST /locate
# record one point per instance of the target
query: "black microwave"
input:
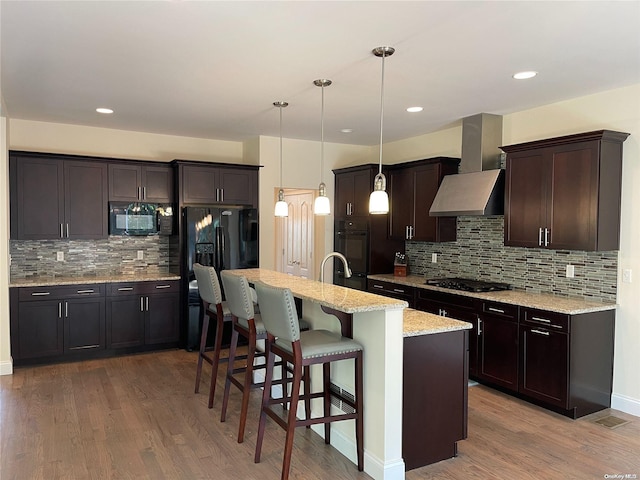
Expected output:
(140, 218)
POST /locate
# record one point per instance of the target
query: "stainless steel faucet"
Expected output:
(347, 270)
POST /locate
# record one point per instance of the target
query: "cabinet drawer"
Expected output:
(541, 318)
(390, 289)
(67, 291)
(501, 309)
(459, 301)
(143, 288)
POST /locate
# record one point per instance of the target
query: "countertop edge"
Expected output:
(534, 300)
(417, 323)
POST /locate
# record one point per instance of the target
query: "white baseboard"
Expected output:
(625, 404)
(6, 367)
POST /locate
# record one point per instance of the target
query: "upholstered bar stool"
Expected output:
(248, 324)
(301, 350)
(215, 309)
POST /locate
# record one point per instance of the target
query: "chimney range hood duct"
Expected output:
(479, 188)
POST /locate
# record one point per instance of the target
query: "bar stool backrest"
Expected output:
(278, 311)
(208, 285)
(238, 292)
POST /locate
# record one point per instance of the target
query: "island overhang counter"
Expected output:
(380, 325)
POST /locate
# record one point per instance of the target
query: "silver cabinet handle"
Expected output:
(410, 232)
(138, 193)
(125, 289)
(222, 194)
(85, 291)
(479, 327)
(67, 230)
(398, 290)
(40, 294)
(142, 304)
(144, 193)
(59, 309)
(539, 319)
(147, 303)
(499, 310)
(66, 309)
(540, 237)
(444, 313)
(540, 332)
(168, 286)
(61, 231)
(374, 286)
(546, 237)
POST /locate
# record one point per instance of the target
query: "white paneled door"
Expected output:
(297, 235)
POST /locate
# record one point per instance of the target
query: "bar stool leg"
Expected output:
(246, 389)
(291, 421)
(203, 345)
(360, 417)
(326, 385)
(227, 382)
(266, 396)
(307, 393)
(216, 358)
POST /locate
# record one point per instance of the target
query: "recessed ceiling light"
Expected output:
(524, 75)
(347, 130)
(414, 109)
(104, 110)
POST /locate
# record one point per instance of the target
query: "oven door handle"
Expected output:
(352, 234)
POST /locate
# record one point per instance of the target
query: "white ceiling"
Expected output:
(213, 69)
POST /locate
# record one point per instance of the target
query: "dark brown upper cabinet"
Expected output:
(412, 187)
(353, 188)
(564, 192)
(56, 197)
(140, 183)
(210, 184)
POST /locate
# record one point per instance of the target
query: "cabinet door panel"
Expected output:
(157, 182)
(84, 324)
(544, 365)
(162, 320)
(498, 344)
(199, 185)
(39, 198)
(573, 204)
(362, 188)
(238, 186)
(344, 193)
(86, 200)
(125, 322)
(525, 206)
(401, 201)
(124, 183)
(40, 329)
(427, 181)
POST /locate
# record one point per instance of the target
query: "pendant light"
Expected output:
(379, 200)
(282, 209)
(321, 205)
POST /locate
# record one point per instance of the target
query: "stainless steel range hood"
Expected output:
(479, 188)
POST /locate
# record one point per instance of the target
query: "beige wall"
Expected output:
(6, 365)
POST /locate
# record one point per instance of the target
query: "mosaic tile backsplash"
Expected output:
(480, 253)
(116, 255)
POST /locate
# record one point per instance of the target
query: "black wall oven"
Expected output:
(351, 238)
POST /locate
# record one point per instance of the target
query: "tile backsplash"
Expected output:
(480, 253)
(116, 255)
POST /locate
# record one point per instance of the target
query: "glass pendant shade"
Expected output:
(282, 208)
(321, 205)
(379, 200)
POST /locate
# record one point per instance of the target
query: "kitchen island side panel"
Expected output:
(434, 396)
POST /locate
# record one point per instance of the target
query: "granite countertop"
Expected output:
(422, 323)
(346, 300)
(542, 301)
(74, 280)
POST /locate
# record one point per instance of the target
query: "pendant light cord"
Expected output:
(322, 138)
(281, 147)
(381, 111)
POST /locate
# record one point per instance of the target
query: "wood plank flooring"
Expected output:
(136, 417)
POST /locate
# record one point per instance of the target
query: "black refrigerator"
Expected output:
(221, 237)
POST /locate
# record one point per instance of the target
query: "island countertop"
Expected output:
(346, 300)
(417, 323)
(542, 301)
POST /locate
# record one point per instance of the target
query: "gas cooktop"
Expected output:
(468, 284)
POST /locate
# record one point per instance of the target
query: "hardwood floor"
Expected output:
(137, 417)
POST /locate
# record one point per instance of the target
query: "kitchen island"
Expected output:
(383, 329)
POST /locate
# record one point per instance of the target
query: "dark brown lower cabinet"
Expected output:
(498, 351)
(84, 322)
(125, 321)
(434, 405)
(39, 330)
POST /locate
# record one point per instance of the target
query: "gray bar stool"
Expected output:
(302, 349)
(216, 309)
(248, 324)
